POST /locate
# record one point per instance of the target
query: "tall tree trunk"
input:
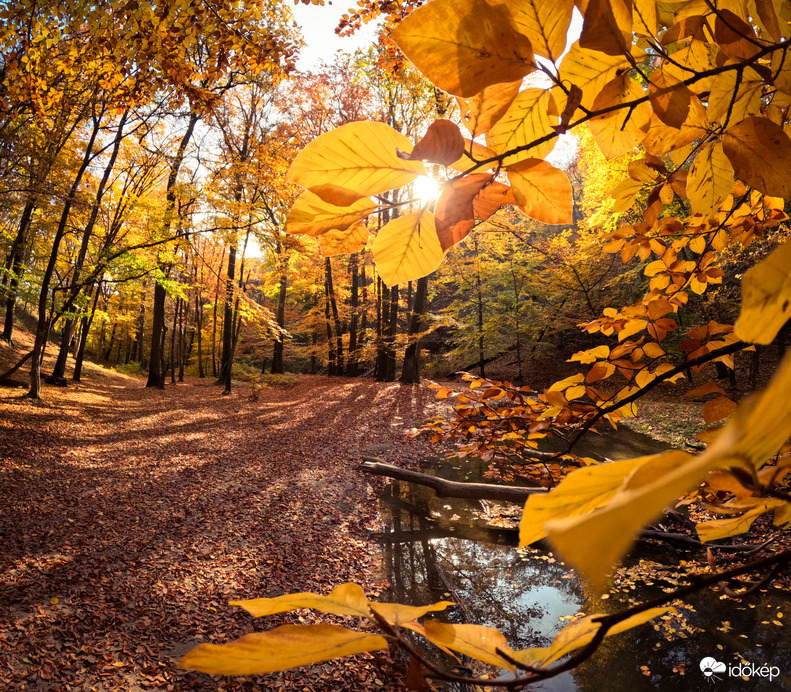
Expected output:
(481, 359)
(173, 335)
(410, 372)
(277, 353)
(228, 323)
(87, 321)
(392, 326)
(331, 362)
(15, 267)
(43, 324)
(335, 317)
(382, 300)
(156, 376)
(199, 329)
(214, 316)
(353, 344)
(68, 328)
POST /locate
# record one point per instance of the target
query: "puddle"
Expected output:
(440, 546)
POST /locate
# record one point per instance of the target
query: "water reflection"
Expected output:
(440, 546)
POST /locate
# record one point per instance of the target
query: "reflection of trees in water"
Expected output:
(493, 583)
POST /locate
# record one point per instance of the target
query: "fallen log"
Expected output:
(446, 488)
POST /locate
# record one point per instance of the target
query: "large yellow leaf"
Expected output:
(344, 242)
(594, 543)
(716, 529)
(282, 648)
(544, 23)
(476, 641)
(710, 179)
(749, 89)
(359, 157)
(589, 70)
(760, 153)
(620, 131)
(577, 634)
(313, 216)
(407, 248)
(644, 18)
(483, 110)
(735, 37)
(399, 614)
(346, 599)
(464, 46)
(607, 26)
(527, 119)
(542, 191)
(579, 493)
(766, 297)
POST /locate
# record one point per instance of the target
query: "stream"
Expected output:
(442, 549)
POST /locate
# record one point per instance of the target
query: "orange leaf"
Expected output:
(441, 144)
(669, 98)
(454, 214)
(542, 191)
(708, 388)
(491, 198)
(735, 37)
(717, 409)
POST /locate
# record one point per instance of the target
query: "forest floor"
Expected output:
(129, 517)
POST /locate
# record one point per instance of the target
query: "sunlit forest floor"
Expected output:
(129, 517)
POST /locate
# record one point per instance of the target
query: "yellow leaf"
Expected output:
(760, 153)
(595, 542)
(407, 248)
(344, 242)
(644, 18)
(766, 297)
(542, 191)
(346, 599)
(710, 181)
(581, 492)
(589, 70)
(747, 100)
(600, 371)
(653, 350)
(464, 46)
(360, 157)
(580, 633)
(591, 354)
(483, 110)
(399, 614)
(560, 385)
(54, 601)
(620, 130)
(313, 216)
(716, 529)
(476, 641)
(282, 648)
(574, 392)
(491, 198)
(441, 144)
(526, 120)
(544, 23)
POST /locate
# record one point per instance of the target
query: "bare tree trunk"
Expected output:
(353, 344)
(277, 354)
(390, 337)
(14, 265)
(156, 376)
(335, 317)
(410, 372)
(87, 321)
(228, 323)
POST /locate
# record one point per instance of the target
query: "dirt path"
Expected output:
(129, 517)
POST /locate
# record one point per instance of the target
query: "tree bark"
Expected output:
(410, 372)
(352, 368)
(277, 354)
(156, 376)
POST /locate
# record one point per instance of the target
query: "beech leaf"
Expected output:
(760, 153)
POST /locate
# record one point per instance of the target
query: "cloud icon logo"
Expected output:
(710, 666)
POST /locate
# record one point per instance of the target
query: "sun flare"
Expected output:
(425, 189)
